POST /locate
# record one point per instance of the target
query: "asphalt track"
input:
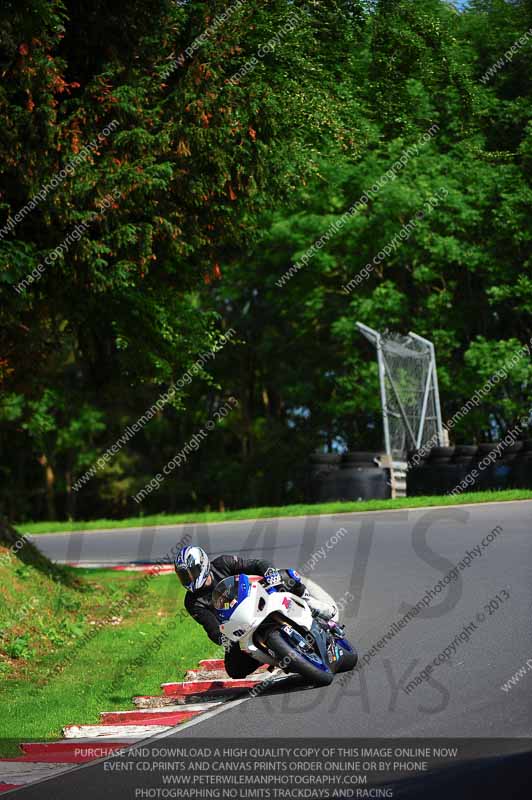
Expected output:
(383, 563)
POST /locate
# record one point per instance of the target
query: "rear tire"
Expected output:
(297, 663)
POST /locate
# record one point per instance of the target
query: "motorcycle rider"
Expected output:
(200, 576)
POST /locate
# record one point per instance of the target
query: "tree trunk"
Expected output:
(70, 495)
(49, 479)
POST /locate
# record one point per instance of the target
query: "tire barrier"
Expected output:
(464, 453)
(495, 475)
(521, 468)
(435, 474)
(485, 467)
(360, 458)
(430, 478)
(323, 470)
(354, 476)
(356, 482)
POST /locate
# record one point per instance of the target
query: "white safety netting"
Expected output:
(410, 391)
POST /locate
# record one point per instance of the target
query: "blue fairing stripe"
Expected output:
(345, 644)
(243, 587)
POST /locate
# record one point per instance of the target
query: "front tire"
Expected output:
(296, 661)
(348, 660)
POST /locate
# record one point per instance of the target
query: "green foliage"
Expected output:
(206, 192)
(22, 571)
(18, 647)
(119, 662)
(63, 601)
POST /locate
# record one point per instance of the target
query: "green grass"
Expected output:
(154, 642)
(317, 509)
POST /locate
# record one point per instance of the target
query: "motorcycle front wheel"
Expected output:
(295, 657)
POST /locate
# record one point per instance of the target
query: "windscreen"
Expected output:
(226, 593)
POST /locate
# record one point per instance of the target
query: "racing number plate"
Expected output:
(287, 629)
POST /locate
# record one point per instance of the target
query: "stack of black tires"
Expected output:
(521, 466)
(324, 468)
(470, 468)
(356, 475)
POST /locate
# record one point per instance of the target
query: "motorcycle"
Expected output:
(277, 628)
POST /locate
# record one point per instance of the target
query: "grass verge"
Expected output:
(318, 509)
(74, 645)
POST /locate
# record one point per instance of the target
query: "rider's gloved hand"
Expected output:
(272, 577)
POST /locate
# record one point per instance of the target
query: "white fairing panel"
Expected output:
(252, 612)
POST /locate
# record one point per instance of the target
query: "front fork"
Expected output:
(277, 620)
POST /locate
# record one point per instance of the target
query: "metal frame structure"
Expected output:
(416, 437)
(432, 376)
